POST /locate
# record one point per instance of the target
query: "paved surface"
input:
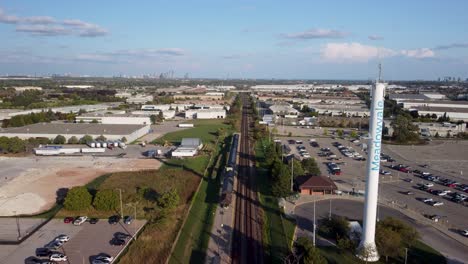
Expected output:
(219, 246)
(453, 250)
(162, 129)
(12, 228)
(85, 242)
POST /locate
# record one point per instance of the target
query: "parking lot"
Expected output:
(86, 241)
(443, 159)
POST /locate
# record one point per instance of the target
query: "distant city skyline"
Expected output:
(236, 39)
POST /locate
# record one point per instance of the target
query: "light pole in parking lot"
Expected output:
(121, 205)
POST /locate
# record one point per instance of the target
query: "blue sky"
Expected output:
(237, 39)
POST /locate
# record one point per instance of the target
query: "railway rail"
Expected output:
(247, 244)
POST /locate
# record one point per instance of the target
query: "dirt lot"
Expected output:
(29, 185)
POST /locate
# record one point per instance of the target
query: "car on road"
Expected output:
(58, 257)
(80, 220)
(427, 200)
(436, 203)
(68, 220)
(117, 242)
(105, 258)
(113, 220)
(120, 235)
(43, 252)
(62, 238)
(93, 220)
(384, 172)
(127, 219)
(54, 245)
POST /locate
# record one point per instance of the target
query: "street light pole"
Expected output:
(121, 205)
(406, 254)
(313, 240)
(292, 173)
(329, 215)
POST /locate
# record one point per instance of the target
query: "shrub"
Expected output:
(78, 198)
(106, 200)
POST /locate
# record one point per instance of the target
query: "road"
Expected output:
(247, 239)
(453, 250)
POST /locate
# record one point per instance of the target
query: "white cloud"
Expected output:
(357, 52)
(49, 26)
(375, 37)
(419, 53)
(354, 52)
(43, 30)
(316, 34)
(452, 46)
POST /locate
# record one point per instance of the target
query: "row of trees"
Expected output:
(33, 118)
(80, 198)
(280, 169)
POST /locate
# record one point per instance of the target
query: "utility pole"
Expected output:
(329, 215)
(406, 254)
(292, 173)
(313, 240)
(121, 205)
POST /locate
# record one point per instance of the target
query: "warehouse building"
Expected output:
(442, 129)
(205, 113)
(189, 147)
(68, 130)
(114, 119)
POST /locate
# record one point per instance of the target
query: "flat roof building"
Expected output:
(68, 130)
(123, 119)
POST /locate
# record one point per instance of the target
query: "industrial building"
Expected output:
(68, 130)
(205, 113)
(442, 129)
(189, 147)
(125, 119)
(167, 114)
(139, 99)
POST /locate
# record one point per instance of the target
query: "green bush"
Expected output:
(169, 199)
(73, 140)
(59, 139)
(78, 198)
(106, 200)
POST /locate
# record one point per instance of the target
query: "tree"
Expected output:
(169, 199)
(16, 145)
(59, 139)
(101, 138)
(408, 234)
(310, 166)
(106, 200)
(339, 132)
(73, 140)
(437, 135)
(403, 129)
(311, 255)
(153, 119)
(123, 139)
(94, 121)
(281, 179)
(160, 116)
(388, 242)
(325, 132)
(78, 198)
(85, 139)
(353, 134)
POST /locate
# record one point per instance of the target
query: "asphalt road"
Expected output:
(453, 250)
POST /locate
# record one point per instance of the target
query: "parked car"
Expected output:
(93, 221)
(43, 252)
(465, 232)
(113, 220)
(429, 185)
(436, 203)
(68, 220)
(54, 245)
(409, 193)
(80, 220)
(62, 238)
(106, 258)
(58, 257)
(408, 180)
(127, 219)
(427, 200)
(117, 242)
(384, 172)
(33, 260)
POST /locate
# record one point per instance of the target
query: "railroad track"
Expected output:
(247, 244)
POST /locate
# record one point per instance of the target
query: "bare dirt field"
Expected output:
(29, 185)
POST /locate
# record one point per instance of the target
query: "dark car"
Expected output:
(113, 220)
(32, 260)
(127, 219)
(117, 242)
(43, 252)
(123, 236)
(93, 220)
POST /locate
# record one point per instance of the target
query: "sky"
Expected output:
(414, 40)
